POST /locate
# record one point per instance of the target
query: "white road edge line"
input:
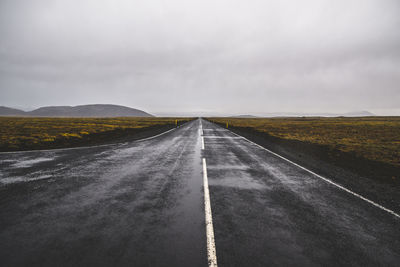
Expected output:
(323, 178)
(223, 137)
(211, 250)
(83, 147)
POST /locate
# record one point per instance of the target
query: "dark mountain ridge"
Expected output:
(5, 111)
(95, 110)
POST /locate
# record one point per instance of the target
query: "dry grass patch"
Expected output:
(374, 138)
(37, 132)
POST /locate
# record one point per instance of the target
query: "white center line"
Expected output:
(202, 134)
(211, 251)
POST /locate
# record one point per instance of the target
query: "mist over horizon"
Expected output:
(188, 57)
(199, 113)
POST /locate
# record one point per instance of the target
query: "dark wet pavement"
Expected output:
(135, 204)
(141, 204)
(268, 212)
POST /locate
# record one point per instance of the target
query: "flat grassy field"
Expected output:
(21, 133)
(374, 138)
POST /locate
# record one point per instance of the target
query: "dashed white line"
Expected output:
(202, 135)
(325, 179)
(211, 250)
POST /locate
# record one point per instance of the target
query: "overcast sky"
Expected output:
(218, 56)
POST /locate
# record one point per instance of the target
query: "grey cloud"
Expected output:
(216, 56)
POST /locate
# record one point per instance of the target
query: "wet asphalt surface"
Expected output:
(141, 204)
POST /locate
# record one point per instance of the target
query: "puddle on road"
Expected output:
(236, 179)
(18, 179)
(25, 163)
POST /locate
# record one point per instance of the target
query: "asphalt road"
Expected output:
(142, 204)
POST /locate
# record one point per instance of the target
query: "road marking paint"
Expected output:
(211, 250)
(325, 179)
(223, 137)
(201, 135)
(84, 147)
(152, 137)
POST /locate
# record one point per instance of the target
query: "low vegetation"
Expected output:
(374, 138)
(21, 133)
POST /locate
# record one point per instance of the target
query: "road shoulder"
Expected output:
(370, 179)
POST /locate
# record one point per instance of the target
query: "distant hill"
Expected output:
(97, 110)
(244, 116)
(358, 114)
(5, 111)
(293, 114)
